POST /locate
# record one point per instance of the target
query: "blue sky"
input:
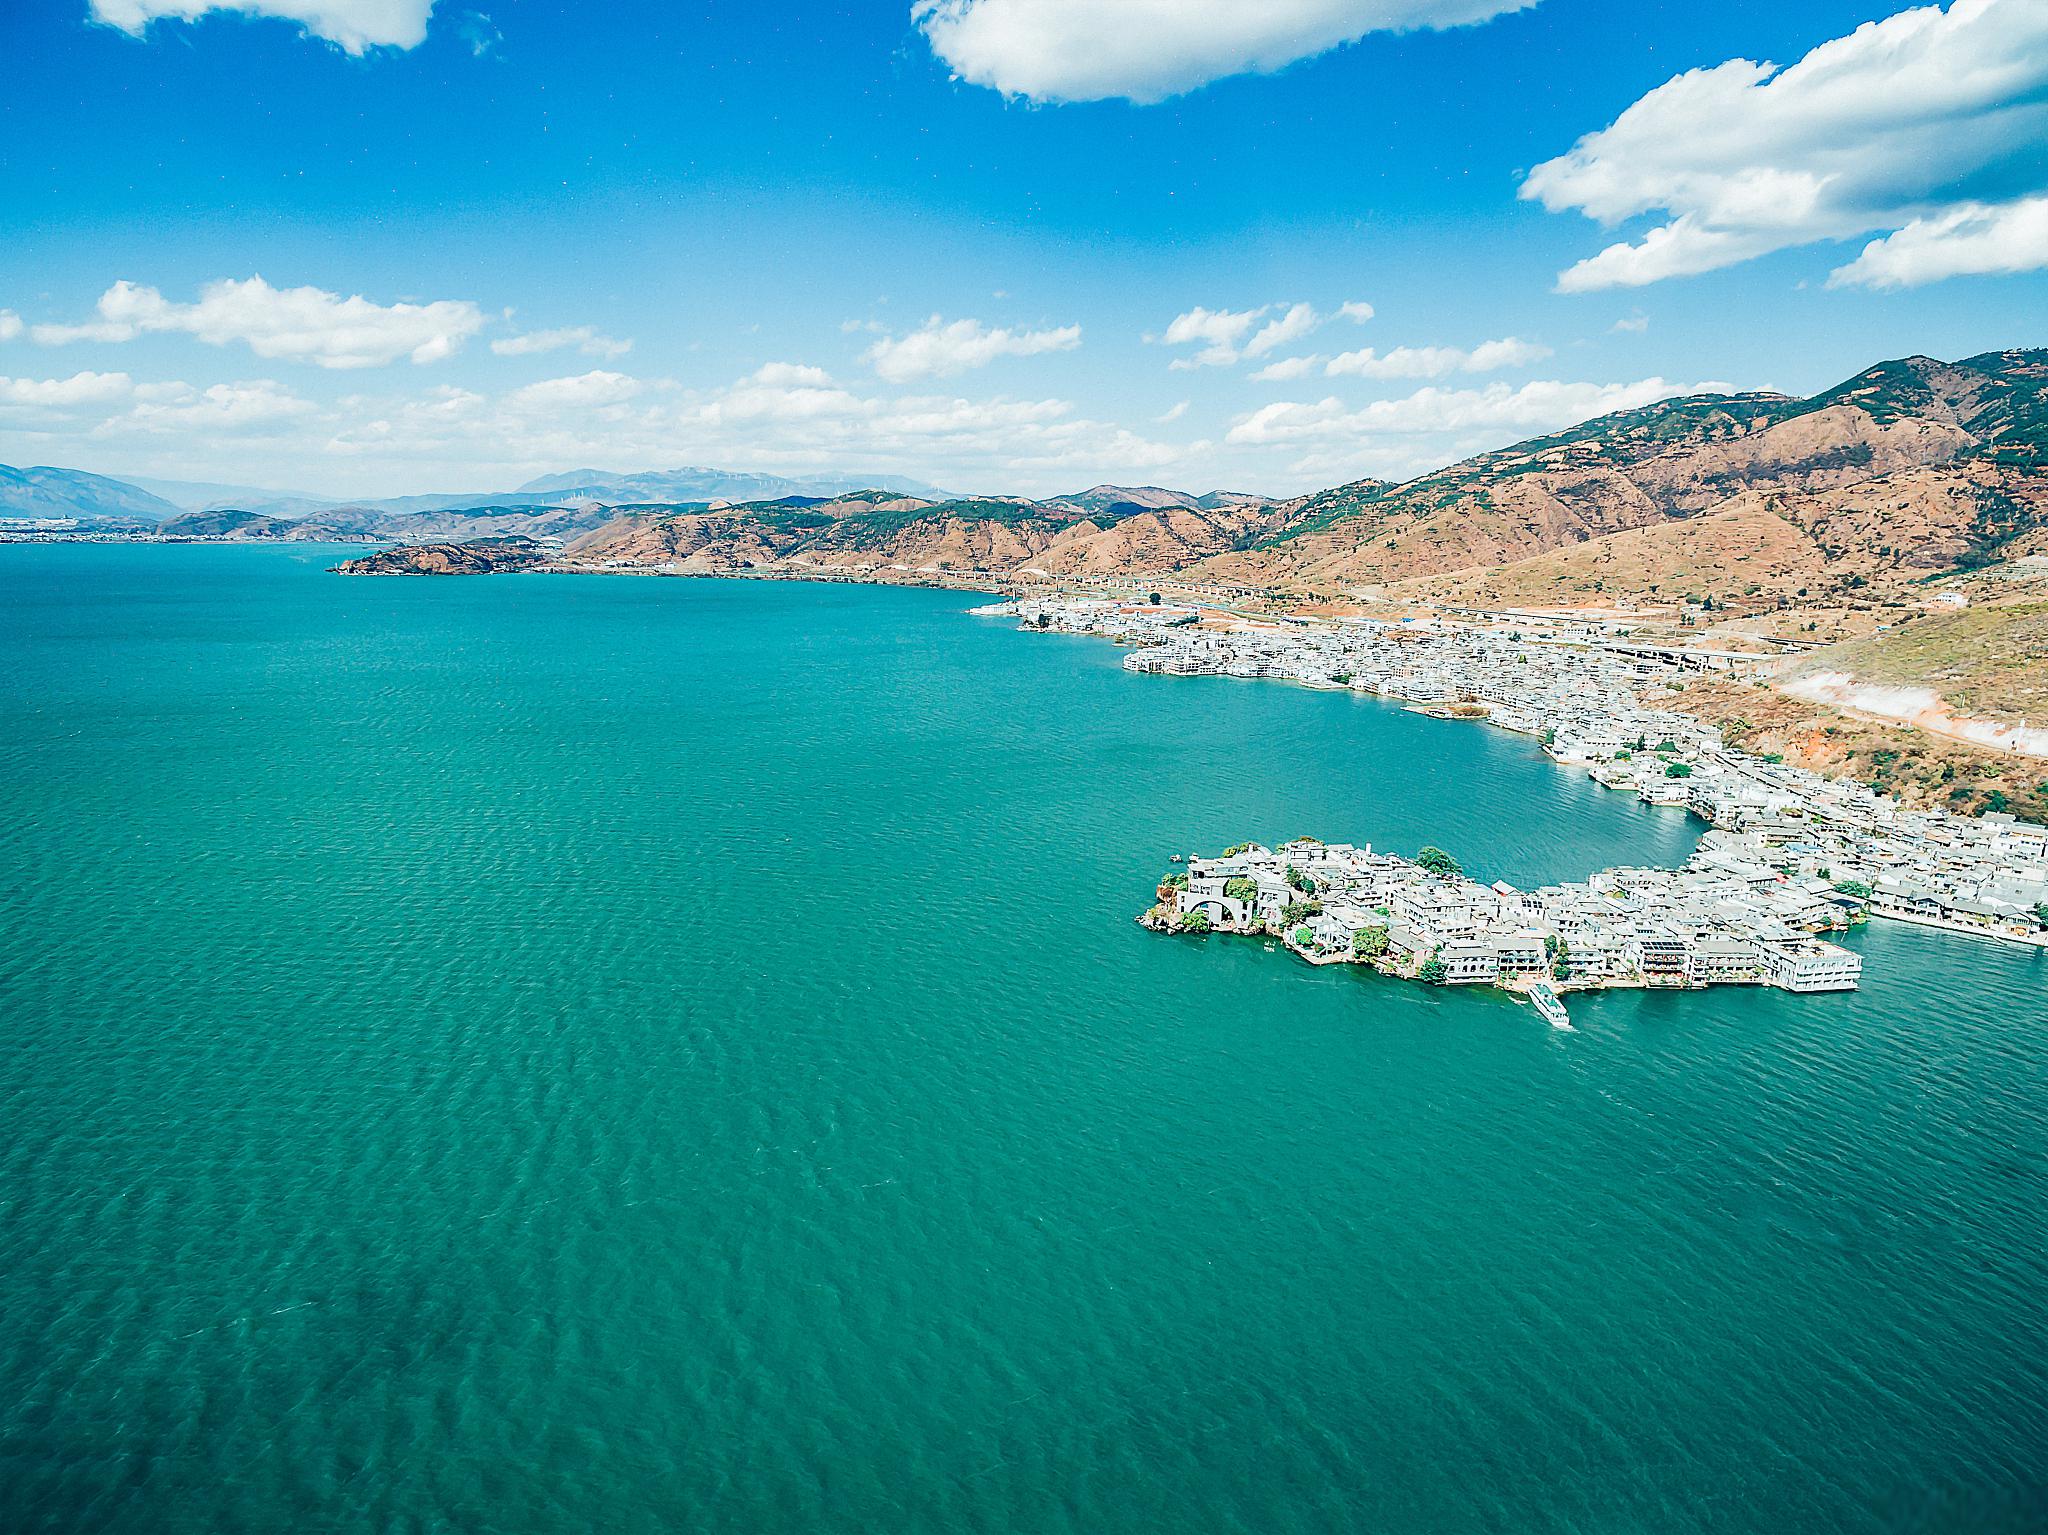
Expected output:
(379, 246)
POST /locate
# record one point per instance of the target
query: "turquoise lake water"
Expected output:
(570, 1054)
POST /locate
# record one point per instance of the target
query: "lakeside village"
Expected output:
(1791, 855)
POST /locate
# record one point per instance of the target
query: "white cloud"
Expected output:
(295, 324)
(481, 33)
(784, 416)
(1172, 412)
(1147, 50)
(63, 393)
(354, 26)
(1397, 362)
(1905, 124)
(1436, 361)
(1506, 352)
(939, 350)
(10, 325)
(1971, 240)
(1544, 405)
(1630, 325)
(584, 338)
(790, 375)
(238, 407)
(1287, 368)
(1228, 336)
(1296, 322)
(583, 391)
(1220, 331)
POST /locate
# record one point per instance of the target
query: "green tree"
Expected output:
(1300, 881)
(1240, 887)
(1299, 911)
(1434, 860)
(1192, 922)
(1175, 882)
(1561, 961)
(1304, 937)
(1854, 887)
(1155, 599)
(1432, 972)
(1678, 770)
(1371, 942)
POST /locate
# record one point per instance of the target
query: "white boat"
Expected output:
(1549, 1005)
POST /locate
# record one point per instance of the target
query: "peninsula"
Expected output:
(1789, 855)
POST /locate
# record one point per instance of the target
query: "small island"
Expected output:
(478, 557)
(1423, 919)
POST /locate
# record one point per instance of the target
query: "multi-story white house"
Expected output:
(1815, 966)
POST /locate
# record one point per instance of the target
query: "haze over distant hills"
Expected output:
(45, 492)
(1912, 468)
(53, 492)
(198, 495)
(692, 484)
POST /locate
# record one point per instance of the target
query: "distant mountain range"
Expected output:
(709, 485)
(200, 495)
(61, 493)
(44, 492)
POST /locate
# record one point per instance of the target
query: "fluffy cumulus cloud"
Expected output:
(1437, 361)
(1223, 337)
(10, 324)
(1147, 50)
(1975, 239)
(1926, 126)
(939, 349)
(295, 324)
(583, 338)
(354, 26)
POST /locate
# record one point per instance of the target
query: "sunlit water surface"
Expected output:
(568, 1054)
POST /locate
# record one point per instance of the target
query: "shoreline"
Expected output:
(1787, 854)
